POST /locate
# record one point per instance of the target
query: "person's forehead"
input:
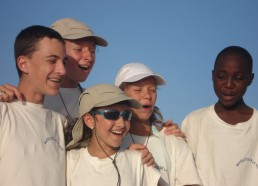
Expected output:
(89, 40)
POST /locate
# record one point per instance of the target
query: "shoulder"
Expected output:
(200, 112)
(73, 154)
(196, 116)
(57, 116)
(130, 153)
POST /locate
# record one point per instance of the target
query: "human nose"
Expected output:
(146, 94)
(121, 122)
(88, 55)
(61, 68)
(229, 82)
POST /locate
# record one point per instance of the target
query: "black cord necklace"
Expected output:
(113, 160)
(70, 119)
(147, 137)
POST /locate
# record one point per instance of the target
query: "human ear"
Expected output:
(251, 79)
(22, 62)
(88, 120)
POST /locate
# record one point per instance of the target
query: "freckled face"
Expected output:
(81, 59)
(144, 91)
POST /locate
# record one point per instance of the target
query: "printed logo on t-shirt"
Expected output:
(159, 167)
(48, 139)
(247, 160)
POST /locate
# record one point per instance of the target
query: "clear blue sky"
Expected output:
(178, 39)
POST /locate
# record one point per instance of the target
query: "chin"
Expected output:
(52, 92)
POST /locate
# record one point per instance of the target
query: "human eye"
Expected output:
(93, 50)
(52, 59)
(220, 76)
(153, 89)
(137, 89)
(239, 77)
(77, 48)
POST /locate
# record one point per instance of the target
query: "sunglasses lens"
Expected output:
(127, 115)
(111, 114)
(114, 114)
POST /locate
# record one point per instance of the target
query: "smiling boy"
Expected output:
(32, 148)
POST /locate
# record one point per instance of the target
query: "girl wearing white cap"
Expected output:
(104, 121)
(173, 157)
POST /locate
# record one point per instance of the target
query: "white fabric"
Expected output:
(84, 169)
(32, 150)
(172, 155)
(225, 154)
(71, 100)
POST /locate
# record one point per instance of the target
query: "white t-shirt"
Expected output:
(225, 155)
(84, 169)
(32, 150)
(172, 155)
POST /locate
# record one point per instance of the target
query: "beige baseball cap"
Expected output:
(133, 72)
(97, 96)
(72, 29)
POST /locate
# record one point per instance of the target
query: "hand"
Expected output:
(9, 93)
(172, 129)
(147, 157)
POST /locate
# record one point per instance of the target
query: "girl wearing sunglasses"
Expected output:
(172, 155)
(105, 114)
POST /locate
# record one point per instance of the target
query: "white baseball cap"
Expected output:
(133, 72)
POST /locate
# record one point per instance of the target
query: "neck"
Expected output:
(141, 128)
(95, 149)
(67, 83)
(29, 95)
(239, 106)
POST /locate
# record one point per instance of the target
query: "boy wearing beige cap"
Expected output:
(80, 42)
(105, 114)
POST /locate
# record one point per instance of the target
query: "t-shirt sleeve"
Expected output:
(186, 172)
(190, 128)
(150, 176)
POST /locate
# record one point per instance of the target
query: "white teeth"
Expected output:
(117, 132)
(84, 67)
(55, 80)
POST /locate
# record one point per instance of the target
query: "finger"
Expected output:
(137, 147)
(168, 123)
(148, 160)
(11, 92)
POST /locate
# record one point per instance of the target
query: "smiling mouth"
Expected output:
(85, 68)
(55, 80)
(117, 132)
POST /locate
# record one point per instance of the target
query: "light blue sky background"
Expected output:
(178, 39)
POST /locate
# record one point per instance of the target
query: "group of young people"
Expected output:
(39, 146)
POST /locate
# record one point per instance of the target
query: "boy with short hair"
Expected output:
(224, 137)
(32, 148)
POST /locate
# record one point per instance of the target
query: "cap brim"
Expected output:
(98, 40)
(77, 133)
(159, 79)
(133, 103)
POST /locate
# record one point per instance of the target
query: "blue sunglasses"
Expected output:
(114, 114)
